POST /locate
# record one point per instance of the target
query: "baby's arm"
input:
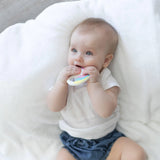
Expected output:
(57, 97)
(103, 101)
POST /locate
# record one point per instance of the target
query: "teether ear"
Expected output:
(77, 79)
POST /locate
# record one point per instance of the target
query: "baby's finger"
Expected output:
(90, 70)
(73, 70)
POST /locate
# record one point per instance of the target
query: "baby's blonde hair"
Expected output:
(91, 24)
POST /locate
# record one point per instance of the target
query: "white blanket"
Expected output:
(32, 54)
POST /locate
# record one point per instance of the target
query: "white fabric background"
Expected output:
(13, 11)
(32, 54)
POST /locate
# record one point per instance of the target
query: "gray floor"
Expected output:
(14, 11)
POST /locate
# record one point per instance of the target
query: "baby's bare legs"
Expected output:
(64, 154)
(126, 149)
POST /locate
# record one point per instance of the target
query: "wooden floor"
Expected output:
(14, 11)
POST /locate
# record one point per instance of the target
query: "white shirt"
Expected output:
(78, 117)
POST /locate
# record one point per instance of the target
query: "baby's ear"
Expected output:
(108, 60)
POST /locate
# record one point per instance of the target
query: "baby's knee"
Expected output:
(138, 154)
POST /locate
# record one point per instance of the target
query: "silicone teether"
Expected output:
(77, 79)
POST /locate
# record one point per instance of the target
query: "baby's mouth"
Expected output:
(79, 66)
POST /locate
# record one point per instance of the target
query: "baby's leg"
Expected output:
(64, 154)
(126, 149)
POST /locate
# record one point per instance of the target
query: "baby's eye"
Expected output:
(89, 53)
(73, 50)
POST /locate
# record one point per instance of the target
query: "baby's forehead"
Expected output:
(90, 39)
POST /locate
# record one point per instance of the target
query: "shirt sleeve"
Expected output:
(107, 80)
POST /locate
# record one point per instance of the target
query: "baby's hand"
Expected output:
(93, 74)
(67, 72)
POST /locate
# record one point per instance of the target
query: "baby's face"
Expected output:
(87, 49)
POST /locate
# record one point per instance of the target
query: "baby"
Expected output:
(89, 111)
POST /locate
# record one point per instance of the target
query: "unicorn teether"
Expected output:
(77, 79)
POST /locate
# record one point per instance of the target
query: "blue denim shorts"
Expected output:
(93, 149)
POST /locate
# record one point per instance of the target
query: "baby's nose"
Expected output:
(79, 57)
